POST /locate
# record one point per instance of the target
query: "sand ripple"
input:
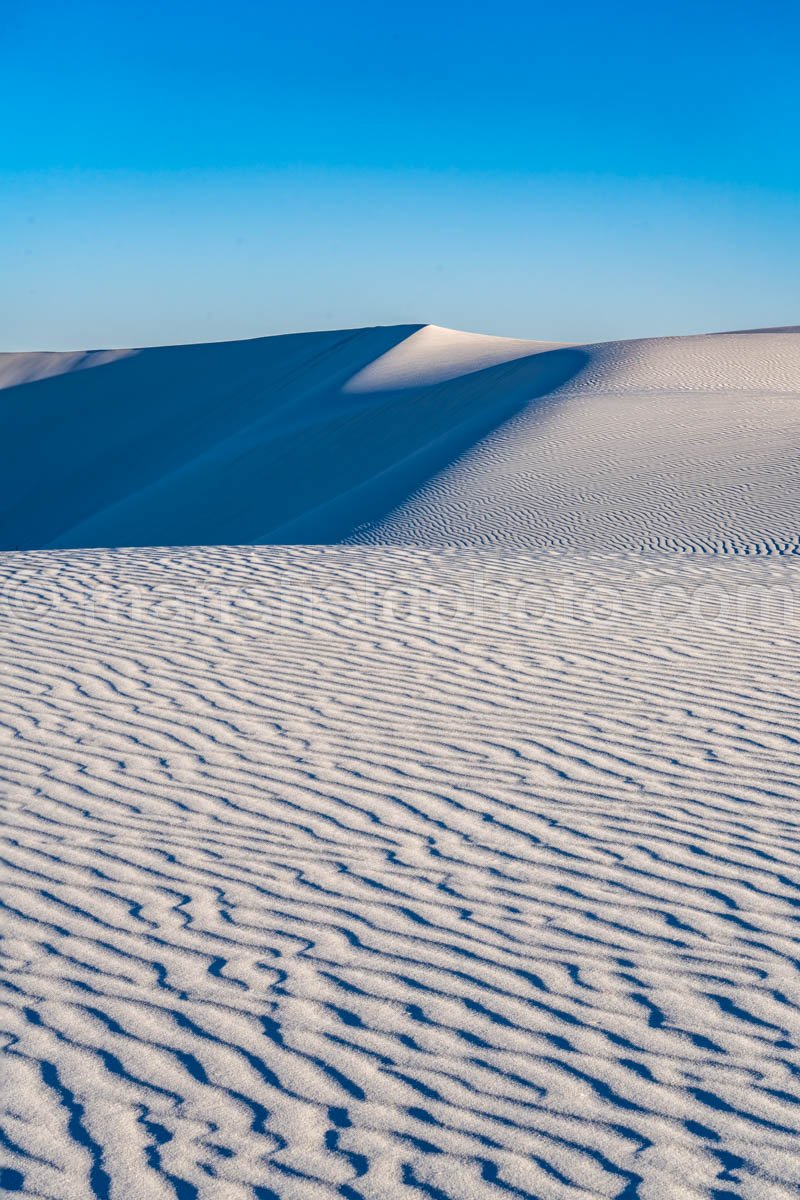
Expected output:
(305, 897)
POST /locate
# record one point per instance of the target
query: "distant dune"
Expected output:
(408, 435)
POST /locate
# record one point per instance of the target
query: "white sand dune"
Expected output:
(409, 435)
(373, 871)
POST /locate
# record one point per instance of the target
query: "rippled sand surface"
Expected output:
(377, 872)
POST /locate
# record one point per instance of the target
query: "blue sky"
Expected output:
(181, 171)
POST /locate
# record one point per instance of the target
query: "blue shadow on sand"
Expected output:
(252, 442)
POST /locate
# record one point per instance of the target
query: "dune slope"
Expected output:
(681, 444)
(295, 438)
(408, 435)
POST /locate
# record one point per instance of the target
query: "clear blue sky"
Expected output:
(190, 171)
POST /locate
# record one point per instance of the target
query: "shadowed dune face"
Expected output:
(296, 438)
(91, 441)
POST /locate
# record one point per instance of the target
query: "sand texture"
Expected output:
(458, 859)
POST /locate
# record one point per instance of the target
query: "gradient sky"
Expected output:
(174, 171)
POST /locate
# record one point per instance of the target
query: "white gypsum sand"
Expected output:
(459, 869)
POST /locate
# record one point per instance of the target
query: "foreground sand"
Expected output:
(370, 872)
